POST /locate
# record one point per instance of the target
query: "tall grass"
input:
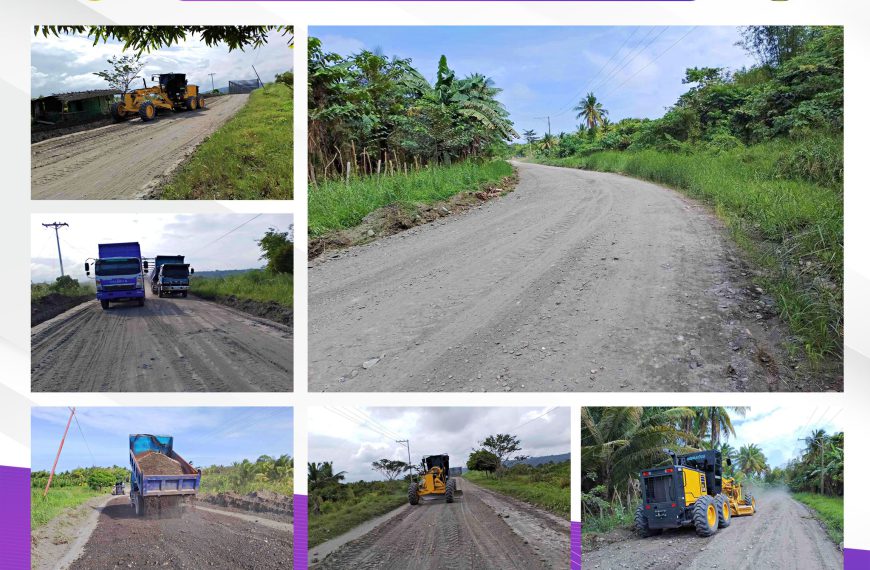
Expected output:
(783, 202)
(222, 479)
(829, 511)
(547, 486)
(257, 285)
(57, 500)
(67, 289)
(365, 502)
(248, 158)
(335, 205)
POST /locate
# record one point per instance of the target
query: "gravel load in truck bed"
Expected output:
(158, 464)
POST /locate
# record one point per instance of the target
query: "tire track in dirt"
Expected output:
(124, 160)
(169, 345)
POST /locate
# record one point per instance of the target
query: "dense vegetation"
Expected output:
(248, 158)
(267, 473)
(69, 489)
(66, 286)
(547, 485)
(764, 147)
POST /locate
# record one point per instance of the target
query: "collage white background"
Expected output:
(19, 17)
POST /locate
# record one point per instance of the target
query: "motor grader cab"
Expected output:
(170, 92)
(435, 483)
(691, 491)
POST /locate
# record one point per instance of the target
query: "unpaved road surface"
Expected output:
(56, 544)
(480, 530)
(576, 281)
(198, 539)
(124, 160)
(781, 535)
(169, 345)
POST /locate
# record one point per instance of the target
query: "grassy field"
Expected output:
(336, 205)
(40, 290)
(547, 486)
(829, 511)
(783, 202)
(368, 501)
(249, 158)
(257, 285)
(58, 499)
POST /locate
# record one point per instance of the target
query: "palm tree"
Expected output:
(751, 460)
(320, 475)
(718, 421)
(591, 111)
(548, 143)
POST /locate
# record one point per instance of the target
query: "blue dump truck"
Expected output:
(160, 479)
(119, 273)
(170, 276)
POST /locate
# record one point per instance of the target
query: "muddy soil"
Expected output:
(52, 305)
(575, 281)
(198, 539)
(781, 535)
(124, 160)
(475, 532)
(271, 310)
(267, 503)
(169, 345)
(45, 132)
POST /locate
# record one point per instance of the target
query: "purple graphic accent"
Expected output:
(300, 532)
(853, 559)
(576, 545)
(15, 519)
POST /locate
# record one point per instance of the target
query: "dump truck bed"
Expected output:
(152, 482)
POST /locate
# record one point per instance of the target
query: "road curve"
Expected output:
(125, 160)
(480, 530)
(576, 281)
(169, 345)
(782, 535)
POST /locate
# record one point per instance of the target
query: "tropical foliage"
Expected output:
(265, 473)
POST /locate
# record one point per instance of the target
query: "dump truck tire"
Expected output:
(724, 511)
(413, 494)
(140, 506)
(749, 500)
(705, 516)
(451, 489)
(200, 101)
(147, 111)
(190, 104)
(142, 302)
(104, 304)
(641, 524)
(118, 112)
(184, 294)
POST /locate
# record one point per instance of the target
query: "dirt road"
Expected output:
(782, 535)
(125, 160)
(198, 539)
(169, 345)
(576, 281)
(481, 530)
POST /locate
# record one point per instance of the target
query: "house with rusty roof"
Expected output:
(71, 108)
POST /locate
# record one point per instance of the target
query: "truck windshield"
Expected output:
(120, 266)
(175, 272)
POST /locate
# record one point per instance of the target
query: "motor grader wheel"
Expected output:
(451, 490)
(191, 104)
(705, 516)
(413, 494)
(147, 111)
(641, 524)
(749, 501)
(118, 111)
(724, 511)
(200, 101)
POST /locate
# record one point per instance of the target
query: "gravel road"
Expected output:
(124, 160)
(198, 539)
(169, 345)
(576, 281)
(480, 530)
(781, 535)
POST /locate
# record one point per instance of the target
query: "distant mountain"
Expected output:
(535, 461)
(221, 272)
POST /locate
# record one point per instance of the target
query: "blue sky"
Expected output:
(545, 70)
(204, 436)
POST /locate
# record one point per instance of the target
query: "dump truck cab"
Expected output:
(118, 273)
(435, 482)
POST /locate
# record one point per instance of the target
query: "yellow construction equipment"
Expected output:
(171, 92)
(690, 492)
(435, 483)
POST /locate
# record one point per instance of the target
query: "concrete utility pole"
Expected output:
(212, 80)
(72, 412)
(407, 444)
(57, 226)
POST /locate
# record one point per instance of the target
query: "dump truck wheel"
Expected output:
(142, 302)
(451, 489)
(413, 494)
(118, 111)
(104, 304)
(641, 524)
(749, 500)
(190, 104)
(140, 506)
(705, 516)
(147, 111)
(200, 101)
(724, 511)
(184, 294)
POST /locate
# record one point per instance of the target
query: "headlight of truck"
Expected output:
(139, 282)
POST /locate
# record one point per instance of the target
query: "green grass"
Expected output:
(334, 205)
(40, 290)
(782, 208)
(57, 500)
(338, 517)
(829, 511)
(223, 479)
(248, 158)
(547, 486)
(257, 285)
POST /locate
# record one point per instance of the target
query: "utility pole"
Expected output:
(548, 126)
(407, 444)
(56, 457)
(57, 226)
(212, 80)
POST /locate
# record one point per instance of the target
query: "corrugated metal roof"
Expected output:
(79, 95)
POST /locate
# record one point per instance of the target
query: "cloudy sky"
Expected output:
(778, 429)
(68, 63)
(205, 436)
(352, 438)
(634, 71)
(191, 235)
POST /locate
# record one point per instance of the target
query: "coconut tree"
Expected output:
(591, 111)
(717, 420)
(751, 460)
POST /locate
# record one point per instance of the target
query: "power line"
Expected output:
(57, 226)
(346, 415)
(228, 233)
(93, 460)
(546, 411)
(368, 418)
(610, 76)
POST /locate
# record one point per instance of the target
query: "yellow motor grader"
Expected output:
(690, 492)
(171, 92)
(435, 483)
